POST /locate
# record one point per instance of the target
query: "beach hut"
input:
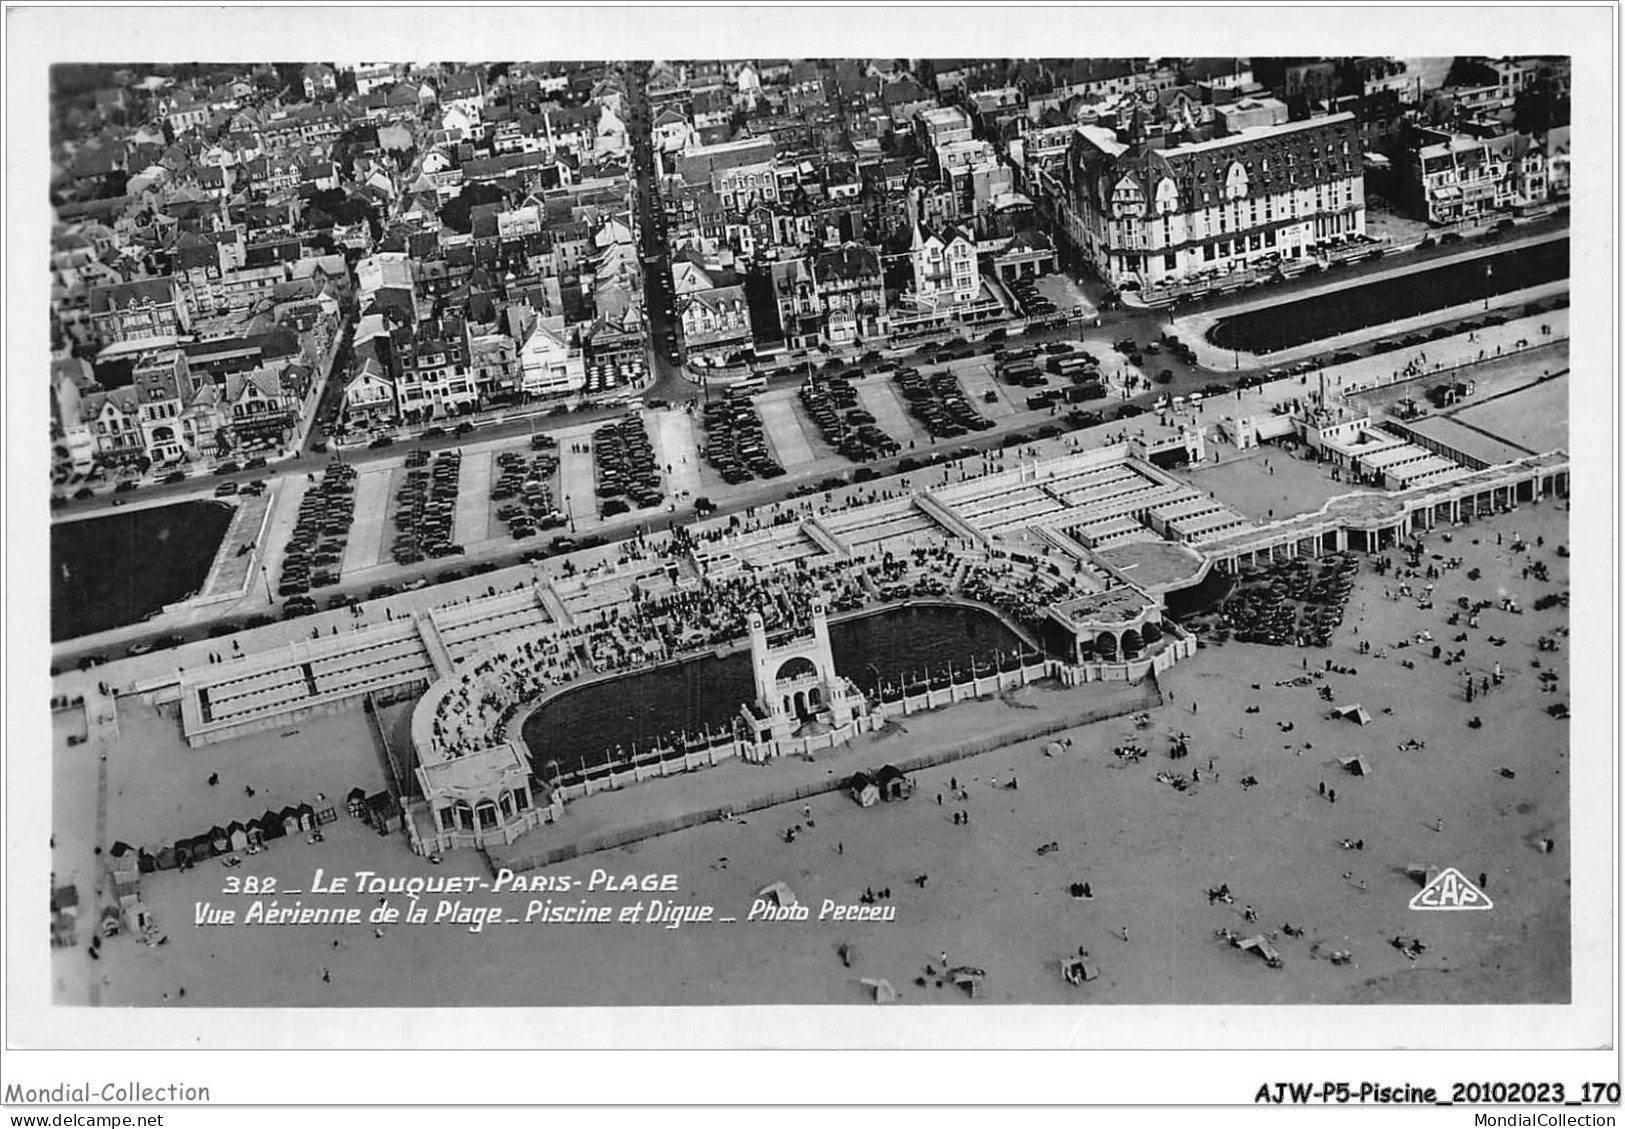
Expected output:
(385, 813)
(307, 816)
(1355, 766)
(202, 847)
(183, 854)
(884, 992)
(1355, 713)
(290, 820)
(237, 832)
(166, 857)
(326, 815)
(356, 803)
(145, 862)
(126, 891)
(65, 916)
(863, 789)
(271, 825)
(65, 926)
(110, 921)
(779, 894)
(894, 784)
(219, 839)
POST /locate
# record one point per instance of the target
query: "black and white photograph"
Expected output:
(880, 532)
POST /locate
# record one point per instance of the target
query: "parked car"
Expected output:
(83, 493)
(174, 476)
(125, 486)
(225, 490)
(227, 468)
(381, 442)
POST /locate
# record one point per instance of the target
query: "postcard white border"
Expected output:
(36, 36)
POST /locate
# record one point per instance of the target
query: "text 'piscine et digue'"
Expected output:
(474, 902)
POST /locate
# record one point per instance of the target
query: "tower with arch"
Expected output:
(796, 681)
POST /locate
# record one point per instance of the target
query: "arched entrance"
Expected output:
(1131, 644)
(798, 667)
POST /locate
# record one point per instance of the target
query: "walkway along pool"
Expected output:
(1271, 328)
(589, 724)
(117, 570)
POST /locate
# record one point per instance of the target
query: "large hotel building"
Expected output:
(1147, 215)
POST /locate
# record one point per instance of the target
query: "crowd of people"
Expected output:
(663, 617)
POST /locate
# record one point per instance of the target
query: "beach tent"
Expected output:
(356, 803)
(136, 917)
(1079, 970)
(1356, 766)
(884, 992)
(779, 894)
(863, 789)
(1423, 875)
(894, 784)
(1054, 749)
(1257, 944)
(145, 862)
(1355, 713)
(166, 857)
(220, 838)
(972, 980)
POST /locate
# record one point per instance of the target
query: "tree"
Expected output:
(1540, 106)
(456, 214)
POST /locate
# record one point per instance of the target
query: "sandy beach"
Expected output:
(989, 898)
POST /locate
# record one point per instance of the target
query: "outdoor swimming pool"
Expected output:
(117, 570)
(1272, 328)
(643, 708)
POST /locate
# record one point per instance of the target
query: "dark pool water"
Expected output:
(117, 570)
(1314, 319)
(641, 709)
